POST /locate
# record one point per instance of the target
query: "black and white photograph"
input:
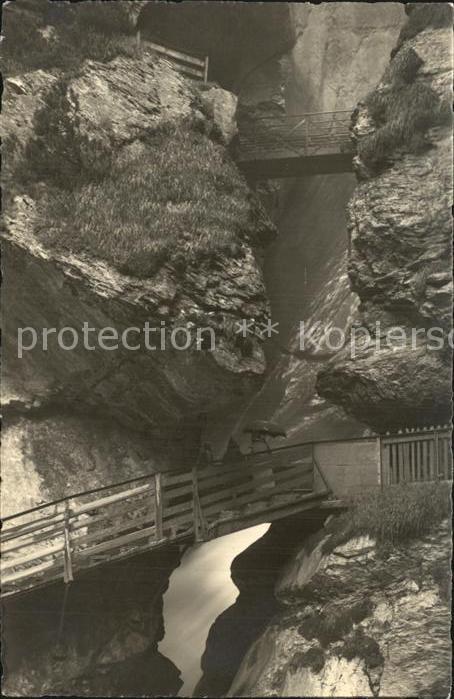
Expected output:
(227, 348)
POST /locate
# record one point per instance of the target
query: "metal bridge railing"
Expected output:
(296, 135)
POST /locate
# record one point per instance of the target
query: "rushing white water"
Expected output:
(199, 590)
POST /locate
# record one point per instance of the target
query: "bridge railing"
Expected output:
(57, 539)
(297, 135)
(80, 531)
(416, 456)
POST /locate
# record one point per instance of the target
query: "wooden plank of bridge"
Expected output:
(436, 455)
(158, 505)
(407, 465)
(37, 524)
(67, 558)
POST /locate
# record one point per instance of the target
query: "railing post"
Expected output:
(380, 461)
(158, 505)
(205, 70)
(436, 455)
(385, 463)
(195, 508)
(67, 562)
(199, 524)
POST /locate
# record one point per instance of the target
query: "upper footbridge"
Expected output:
(298, 145)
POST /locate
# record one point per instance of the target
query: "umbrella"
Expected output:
(265, 428)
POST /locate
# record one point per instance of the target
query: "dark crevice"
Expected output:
(255, 572)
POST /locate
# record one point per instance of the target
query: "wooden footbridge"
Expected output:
(60, 539)
(299, 145)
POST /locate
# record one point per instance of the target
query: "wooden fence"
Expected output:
(416, 456)
(191, 66)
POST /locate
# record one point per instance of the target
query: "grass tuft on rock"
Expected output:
(403, 110)
(174, 197)
(59, 154)
(60, 35)
(396, 514)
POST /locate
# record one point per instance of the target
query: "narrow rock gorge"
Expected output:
(348, 615)
(124, 209)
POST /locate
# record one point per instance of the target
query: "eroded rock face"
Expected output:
(339, 50)
(56, 289)
(354, 624)
(400, 266)
(49, 452)
(160, 392)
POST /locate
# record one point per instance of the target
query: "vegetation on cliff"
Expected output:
(42, 35)
(175, 195)
(422, 15)
(402, 109)
(142, 185)
(395, 515)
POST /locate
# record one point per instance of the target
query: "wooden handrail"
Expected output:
(298, 135)
(169, 506)
(176, 54)
(422, 433)
(186, 63)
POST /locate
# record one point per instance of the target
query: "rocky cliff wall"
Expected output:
(357, 619)
(399, 219)
(95, 637)
(114, 162)
(354, 624)
(92, 237)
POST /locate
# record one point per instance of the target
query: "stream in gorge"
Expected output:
(200, 589)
